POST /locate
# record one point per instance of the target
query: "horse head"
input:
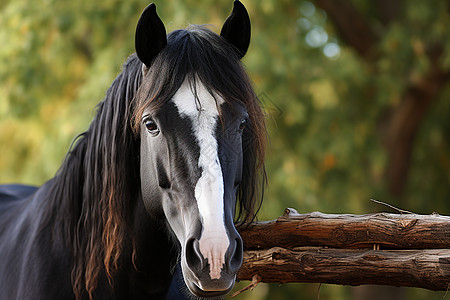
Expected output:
(201, 132)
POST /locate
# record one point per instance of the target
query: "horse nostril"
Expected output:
(236, 256)
(194, 258)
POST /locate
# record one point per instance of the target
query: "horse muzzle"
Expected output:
(212, 276)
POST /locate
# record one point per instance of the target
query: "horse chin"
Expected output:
(207, 288)
(197, 291)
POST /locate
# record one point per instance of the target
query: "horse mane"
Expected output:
(97, 182)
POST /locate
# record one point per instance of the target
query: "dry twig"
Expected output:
(255, 280)
(392, 206)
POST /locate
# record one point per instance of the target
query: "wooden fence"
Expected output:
(389, 249)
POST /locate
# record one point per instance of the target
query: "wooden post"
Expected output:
(389, 249)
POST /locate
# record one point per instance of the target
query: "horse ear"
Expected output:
(236, 29)
(150, 36)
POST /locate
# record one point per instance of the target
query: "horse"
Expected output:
(152, 193)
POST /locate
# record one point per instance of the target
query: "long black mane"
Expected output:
(98, 183)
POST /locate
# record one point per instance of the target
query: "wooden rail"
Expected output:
(389, 249)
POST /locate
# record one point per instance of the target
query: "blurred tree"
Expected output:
(356, 95)
(419, 42)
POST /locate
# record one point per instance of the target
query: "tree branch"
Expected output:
(406, 117)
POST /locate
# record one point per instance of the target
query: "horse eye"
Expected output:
(243, 124)
(151, 126)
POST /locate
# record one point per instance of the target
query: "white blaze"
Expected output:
(209, 189)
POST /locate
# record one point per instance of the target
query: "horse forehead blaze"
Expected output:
(202, 109)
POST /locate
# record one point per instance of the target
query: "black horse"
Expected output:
(172, 159)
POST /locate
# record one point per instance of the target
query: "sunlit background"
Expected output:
(356, 95)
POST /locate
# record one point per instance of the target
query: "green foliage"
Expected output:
(325, 104)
